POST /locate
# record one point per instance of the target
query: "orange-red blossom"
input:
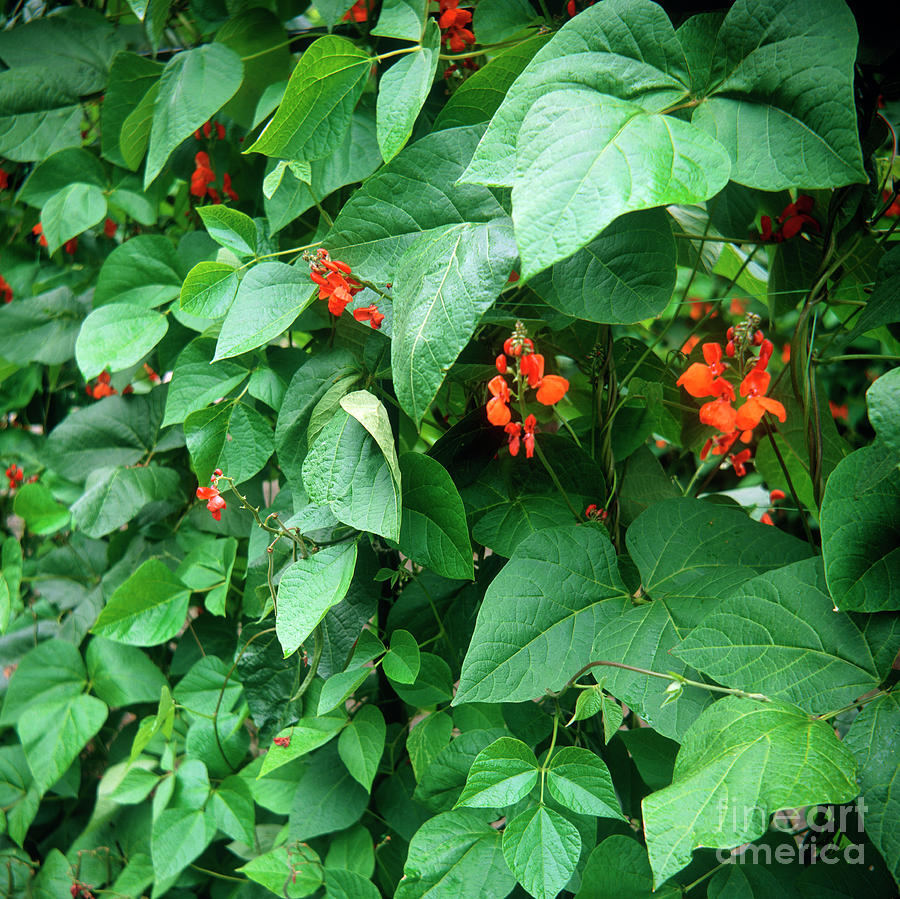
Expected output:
(214, 502)
(338, 286)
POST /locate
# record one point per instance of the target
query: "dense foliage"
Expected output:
(452, 450)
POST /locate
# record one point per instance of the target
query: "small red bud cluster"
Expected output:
(15, 476)
(338, 286)
(214, 501)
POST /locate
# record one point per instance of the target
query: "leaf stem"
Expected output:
(549, 753)
(770, 434)
(851, 358)
(859, 702)
(313, 665)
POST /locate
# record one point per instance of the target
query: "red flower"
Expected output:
(15, 476)
(226, 186)
(282, 741)
(514, 430)
(215, 503)
(102, 388)
(699, 308)
(776, 495)
(689, 344)
(595, 513)
(720, 414)
(532, 367)
(551, 390)
(756, 383)
(750, 414)
(766, 519)
(369, 314)
(739, 460)
(220, 131)
(109, 228)
(5, 290)
(359, 12)
(202, 176)
(334, 286)
(4, 179)
(530, 427)
(38, 229)
(453, 22)
(207, 129)
(841, 412)
(71, 246)
(501, 364)
(497, 408)
(794, 218)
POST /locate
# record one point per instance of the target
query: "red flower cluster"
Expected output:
(282, 741)
(338, 286)
(704, 379)
(359, 12)
(109, 228)
(841, 412)
(70, 246)
(102, 388)
(794, 218)
(595, 513)
(214, 501)
(207, 131)
(529, 374)
(80, 890)
(15, 476)
(453, 22)
(202, 177)
(5, 290)
(38, 231)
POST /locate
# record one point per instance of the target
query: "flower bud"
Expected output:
(729, 348)
(758, 338)
(501, 364)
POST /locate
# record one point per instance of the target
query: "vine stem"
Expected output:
(313, 665)
(549, 754)
(790, 483)
(859, 702)
(671, 676)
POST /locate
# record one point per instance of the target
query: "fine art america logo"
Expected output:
(818, 834)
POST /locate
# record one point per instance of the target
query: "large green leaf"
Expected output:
(644, 636)
(619, 158)
(541, 848)
(116, 337)
(445, 282)
(130, 77)
(456, 853)
(209, 289)
(303, 737)
(54, 733)
(539, 616)
(580, 780)
(122, 675)
(883, 401)
(59, 171)
(42, 514)
(797, 126)
(623, 276)
(286, 872)
(433, 530)
(269, 298)
(370, 412)
(691, 552)
(346, 470)
(70, 211)
(741, 761)
(144, 270)
(229, 227)
(361, 744)
(402, 19)
(316, 108)
(872, 738)
(148, 609)
(113, 496)
(860, 523)
(42, 328)
(777, 634)
(179, 835)
(194, 85)
(403, 90)
(619, 867)
(308, 589)
(417, 191)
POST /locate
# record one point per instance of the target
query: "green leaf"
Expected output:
(807, 115)
(635, 159)
(135, 133)
(308, 589)
(361, 744)
(194, 85)
(619, 867)
(860, 524)
(502, 20)
(162, 722)
(613, 714)
(433, 685)
(40, 113)
(479, 96)
(402, 661)
(116, 337)
(54, 733)
(304, 735)
(501, 775)
(872, 739)
(340, 687)
(691, 552)
(73, 210)
(343, 884)
(541, 848)
(327, 797)
(208, 567)
(625, 275)
(269, 298)
(148, 609)
(445, 282)
(433, 529)
(742, 755)
(644, 636)
(415, 192)
(42, 328)
(370, 412)
(42, 513)
(346, 470)
(231, 808)
(319, 101)
(59, 171)
(286, 871)
(456, 851)
(403, 90)
(122, 675)
(197, 381)
(539, 615)
(402, 19)
(51, 672)
(210, 684)
(230, 228)
(179, 835)
(777, 634)
(883, 401)
(144, 270)
(209, 289)
(426, 739)
(580, 780)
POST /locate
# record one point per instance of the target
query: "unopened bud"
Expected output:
(758, 338)
(729, 348)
